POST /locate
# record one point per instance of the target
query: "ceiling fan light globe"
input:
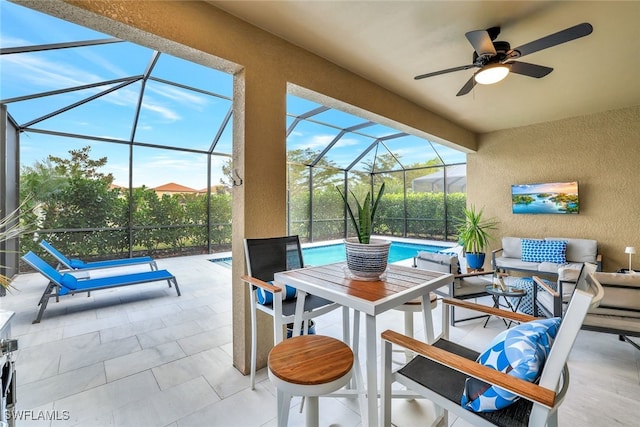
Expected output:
(491, 74)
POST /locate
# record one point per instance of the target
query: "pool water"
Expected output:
(321, 255)
(328, 254)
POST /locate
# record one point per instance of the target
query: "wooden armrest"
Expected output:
(529, 391)
(546, 287)
(259, 283)
(599, 258)
(475, 273)
(518, 317)
(495, 251)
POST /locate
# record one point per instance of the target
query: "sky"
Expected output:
(170, 116)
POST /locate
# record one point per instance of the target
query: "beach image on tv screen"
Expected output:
(550, 198)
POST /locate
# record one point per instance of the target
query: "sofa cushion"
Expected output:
(624, 279)
(458, 252)
(626, 325)
(512, 247)
(580, 250)
(435, 261)
(621, 291)
(551, 267)
(516, 264)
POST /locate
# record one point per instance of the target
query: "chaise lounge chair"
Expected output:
(66, 283)
(78, 264)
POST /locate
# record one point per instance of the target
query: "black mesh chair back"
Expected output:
(271, 255)
(265, 257)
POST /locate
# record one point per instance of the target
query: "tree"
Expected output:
(81, 165)
(72, 193)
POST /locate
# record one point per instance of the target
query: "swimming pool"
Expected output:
(320, 255)
(334, 252)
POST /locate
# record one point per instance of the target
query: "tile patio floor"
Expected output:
(141, 356)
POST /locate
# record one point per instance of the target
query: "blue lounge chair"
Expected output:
(66, 283)
(78, 264)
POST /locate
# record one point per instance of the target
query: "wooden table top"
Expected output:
(333, 282)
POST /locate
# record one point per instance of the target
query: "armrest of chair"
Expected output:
(555, 295)
(494, 253)
(505, 314)
(475, 273)
(546, 287)
(599, 262)
(528, 390)
(261, 284)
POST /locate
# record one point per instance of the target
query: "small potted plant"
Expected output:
(366, 257)
(473, 233)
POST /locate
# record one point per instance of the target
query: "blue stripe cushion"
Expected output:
(534, 250)
(266, 297)
(521, 352)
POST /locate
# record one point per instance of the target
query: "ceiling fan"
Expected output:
(494, 58)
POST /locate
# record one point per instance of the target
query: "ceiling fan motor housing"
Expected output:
(502, 48)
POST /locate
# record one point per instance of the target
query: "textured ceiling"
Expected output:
(390, 42)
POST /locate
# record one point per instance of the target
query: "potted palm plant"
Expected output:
(474, 235)
(366, 257)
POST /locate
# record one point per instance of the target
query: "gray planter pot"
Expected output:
(367, 261)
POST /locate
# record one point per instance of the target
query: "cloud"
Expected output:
(186, 97)
(43, 73)
(165, 112)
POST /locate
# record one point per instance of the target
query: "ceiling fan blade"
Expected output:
(481, 42)
(527, 69)
(467, 87)
(554, 39)
(448, 70)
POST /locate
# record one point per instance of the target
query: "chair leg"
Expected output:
(284, 403)
(385, 395)
(408, 331)
(442, 417)
(311, 412)
(175, 282)
(44, 300)
(254, 341)
(345, 325)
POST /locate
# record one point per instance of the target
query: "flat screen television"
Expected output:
(545, 198)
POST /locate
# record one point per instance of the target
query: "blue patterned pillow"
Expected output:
(555, 251)
(520, 352)
(544, 251)
(266, 297)
(532, 250)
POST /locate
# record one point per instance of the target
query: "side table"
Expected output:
(496, 293)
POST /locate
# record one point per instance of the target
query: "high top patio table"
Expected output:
(397, 286)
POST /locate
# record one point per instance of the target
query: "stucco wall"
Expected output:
(600, 151)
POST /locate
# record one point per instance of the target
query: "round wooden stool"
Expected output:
(311, 366)
(414, 306)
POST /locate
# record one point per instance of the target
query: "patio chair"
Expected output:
(553, 302)
(464, 285)
(66, 283)
(264, 258)
(78, 264)
(455, 378)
